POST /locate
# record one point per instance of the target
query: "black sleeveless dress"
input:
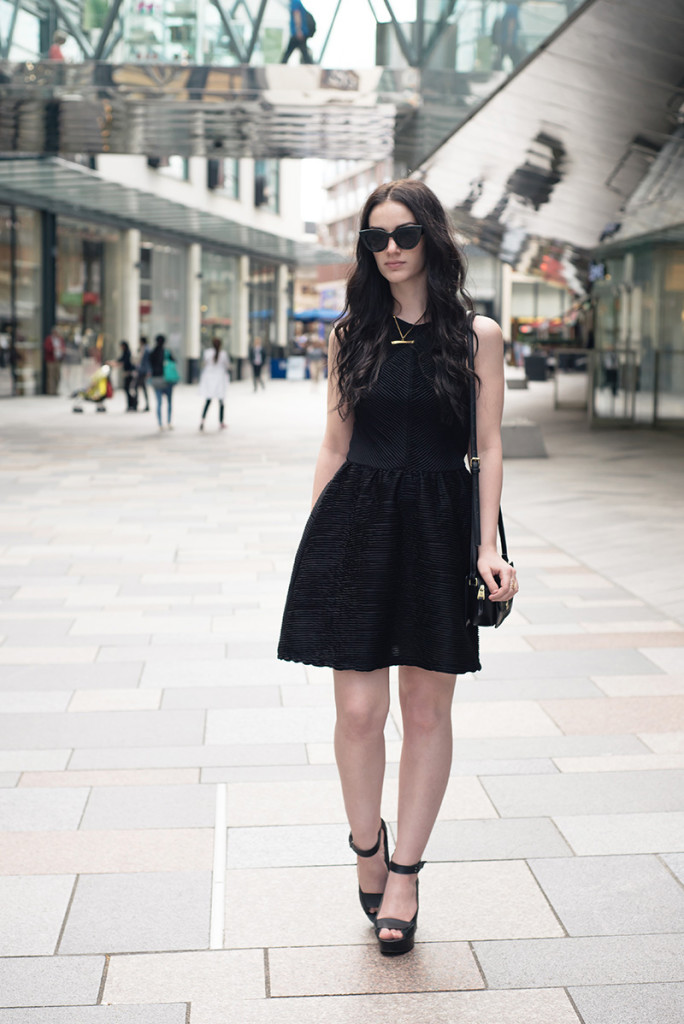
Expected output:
(379, 577)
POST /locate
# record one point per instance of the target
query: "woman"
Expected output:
(129, 369)
(257, 358)
(214, 380)
(164, 377)
(379, 577)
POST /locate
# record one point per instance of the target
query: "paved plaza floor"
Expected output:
(174, 846)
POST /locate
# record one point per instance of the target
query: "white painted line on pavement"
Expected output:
(218, 882)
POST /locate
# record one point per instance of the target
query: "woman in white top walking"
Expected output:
(214, 380)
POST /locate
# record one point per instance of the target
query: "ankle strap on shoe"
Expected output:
(404, 869)
(366, 853)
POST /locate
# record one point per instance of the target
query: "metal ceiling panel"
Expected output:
(553, 156)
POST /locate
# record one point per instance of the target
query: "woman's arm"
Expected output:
(337, 436)
(489, 408)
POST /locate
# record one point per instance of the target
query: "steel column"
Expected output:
(112, 15)
(256, 25)
(5, 49)
(234, 41)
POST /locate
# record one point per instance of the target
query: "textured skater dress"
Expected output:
(379, 577)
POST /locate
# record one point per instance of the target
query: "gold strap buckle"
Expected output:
(475, 462)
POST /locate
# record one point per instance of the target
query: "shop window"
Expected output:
(267, 184)
(224, 176)
(20, 313)
(177, 167)
(219, 299)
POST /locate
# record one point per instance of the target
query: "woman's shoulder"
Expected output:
(486, 328)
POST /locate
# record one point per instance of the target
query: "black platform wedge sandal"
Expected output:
(369, 900)
(394, 947)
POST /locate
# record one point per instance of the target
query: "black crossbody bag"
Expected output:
(480, 611)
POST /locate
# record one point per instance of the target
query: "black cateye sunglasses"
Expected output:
(407, 236)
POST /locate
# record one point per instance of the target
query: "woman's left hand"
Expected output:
(490, 564)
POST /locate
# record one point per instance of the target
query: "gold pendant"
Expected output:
(402, 341)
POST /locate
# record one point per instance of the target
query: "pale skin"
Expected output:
(362, 698)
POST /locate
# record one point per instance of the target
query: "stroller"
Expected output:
(98, 390)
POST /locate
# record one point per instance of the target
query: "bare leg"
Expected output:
(423, 776)
(362, 700)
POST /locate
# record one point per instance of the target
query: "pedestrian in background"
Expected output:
(130, 373)
(55, 350)
(257, 358)
(302, 28)
(214, 380)
(143, 373)
(58, 40)
(314, 358)
(164, 377)
(379, 578)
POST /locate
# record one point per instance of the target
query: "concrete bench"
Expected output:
(522, 439)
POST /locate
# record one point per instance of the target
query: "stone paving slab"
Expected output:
(114, 758)
(353, 970)
(141, 777)
(618, 714)
(214, 976)
(512, 839)
(675, 862)
(637, 686)
(269, 725)
(664, 743)
(545, 664)
(599, 960)
(623, 833)
(142, 912)
(100, 729)
(265, 773)
(150, 807)
(235, 696)
(611, 895)
(34, 700)
(50, 981)
(236, 671)
(32, 913)
(41, 809)
(9, 779)
(550, 795)
(634, 763)
(469, 688)
(512, 747)
(166, 1014)
(405, 1008)
(630, 1004)
(62, 677)
(107, 852)
(115, 700)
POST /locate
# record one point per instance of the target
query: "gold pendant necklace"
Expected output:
(404, 338)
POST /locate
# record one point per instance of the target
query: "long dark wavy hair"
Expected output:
(364, 329)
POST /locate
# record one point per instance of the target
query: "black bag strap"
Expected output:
(475, 528)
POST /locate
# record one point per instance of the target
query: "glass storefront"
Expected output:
(20, 311)
(84, 314)
(162, 293)
(263, 297)
(639, 358)
(219, 300)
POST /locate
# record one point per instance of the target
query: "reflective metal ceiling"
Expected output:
(66, 188)
(551, 159)
(170, 109)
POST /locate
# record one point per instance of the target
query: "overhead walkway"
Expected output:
(405, 89)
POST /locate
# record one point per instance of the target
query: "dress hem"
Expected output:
(384, 664)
